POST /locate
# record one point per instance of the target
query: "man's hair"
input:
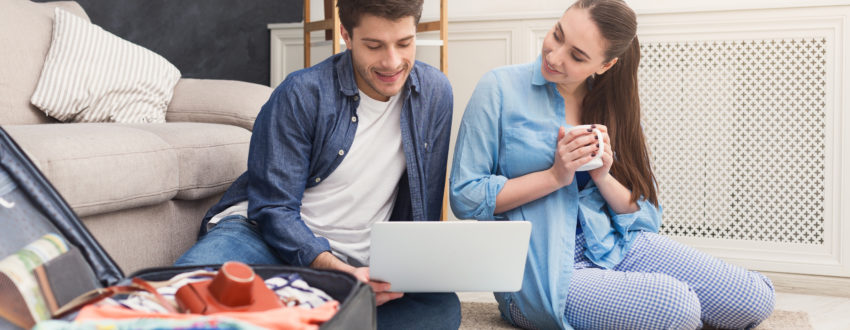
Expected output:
(350, 11)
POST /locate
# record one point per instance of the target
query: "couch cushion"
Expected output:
(25, 33)
(91, 75)
(209, 156)
(101, 167)
(217, 101)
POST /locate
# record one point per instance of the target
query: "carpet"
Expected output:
(480, 315)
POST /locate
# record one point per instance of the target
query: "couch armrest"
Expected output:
(217, 101)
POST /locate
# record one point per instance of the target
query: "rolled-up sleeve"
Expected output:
(473, 182)
(647, 218)
(609, 235)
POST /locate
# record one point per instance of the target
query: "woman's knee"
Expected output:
(755, 305)
(682, 308)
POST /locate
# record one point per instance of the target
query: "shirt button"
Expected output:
(318, 180)
(356, 97)
(353, 119)
(426, 145)
(341, 152)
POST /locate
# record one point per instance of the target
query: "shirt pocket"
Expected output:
(529, 147)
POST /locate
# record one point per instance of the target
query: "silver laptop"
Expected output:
(449, 256)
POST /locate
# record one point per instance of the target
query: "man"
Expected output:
(361, 137)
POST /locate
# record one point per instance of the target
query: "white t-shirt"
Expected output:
(362, 189)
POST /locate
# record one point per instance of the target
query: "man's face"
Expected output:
(383, 52)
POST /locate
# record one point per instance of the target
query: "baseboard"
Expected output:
(810, 284)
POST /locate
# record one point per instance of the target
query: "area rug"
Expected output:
(480, 315)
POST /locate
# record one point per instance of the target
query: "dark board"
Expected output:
(221, 39)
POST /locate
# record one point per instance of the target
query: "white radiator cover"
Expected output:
(744, 113)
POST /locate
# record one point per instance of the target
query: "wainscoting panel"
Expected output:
(745, 116)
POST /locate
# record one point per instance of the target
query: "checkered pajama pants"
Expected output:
(663, 284)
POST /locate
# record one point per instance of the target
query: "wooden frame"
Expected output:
(330, 25)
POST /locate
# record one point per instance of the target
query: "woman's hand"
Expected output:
(607, 156)
(574, 149)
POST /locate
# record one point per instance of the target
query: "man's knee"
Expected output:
(447, 306)
(421, 311)
(229, 241)
(439, 310)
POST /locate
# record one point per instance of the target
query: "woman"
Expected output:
(595, 259)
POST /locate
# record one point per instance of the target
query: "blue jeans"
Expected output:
(234, 238)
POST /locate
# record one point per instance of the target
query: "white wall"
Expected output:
(465, 9)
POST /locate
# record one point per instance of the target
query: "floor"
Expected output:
(825, 312)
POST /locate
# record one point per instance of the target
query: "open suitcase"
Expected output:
(31, 208)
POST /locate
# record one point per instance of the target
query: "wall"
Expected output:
(466, 9)
(743, 105)
(223, 39)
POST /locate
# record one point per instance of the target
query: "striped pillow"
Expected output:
(91, 75)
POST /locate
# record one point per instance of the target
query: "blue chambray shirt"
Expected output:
(509, 129)
(296, 140)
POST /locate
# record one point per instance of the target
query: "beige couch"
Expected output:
(140, 189)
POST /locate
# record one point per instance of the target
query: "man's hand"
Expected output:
(327, 260)
(381, 288)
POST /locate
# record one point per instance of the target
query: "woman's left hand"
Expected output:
(607, 156)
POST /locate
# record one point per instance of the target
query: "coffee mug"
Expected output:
(596, 162)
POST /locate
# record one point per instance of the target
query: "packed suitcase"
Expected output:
(51, 268)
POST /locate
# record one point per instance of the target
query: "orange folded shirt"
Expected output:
(277, 318)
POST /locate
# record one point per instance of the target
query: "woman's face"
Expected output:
(574, 49)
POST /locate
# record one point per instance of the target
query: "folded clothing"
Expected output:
(278, 318)
(139, 309)
(148, 324)
(290, 288)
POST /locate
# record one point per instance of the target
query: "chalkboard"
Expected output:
(221, 39)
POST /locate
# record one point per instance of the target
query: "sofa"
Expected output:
(141, 189)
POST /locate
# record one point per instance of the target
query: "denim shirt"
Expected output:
(296, 142)
(509, 129)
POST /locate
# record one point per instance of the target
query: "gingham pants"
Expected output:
(662, 284)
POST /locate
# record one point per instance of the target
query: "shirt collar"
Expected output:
(347, 83)
(536, 75)
(345, 74)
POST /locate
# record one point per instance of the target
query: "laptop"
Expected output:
(449, 256)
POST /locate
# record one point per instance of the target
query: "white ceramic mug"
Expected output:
(596, 162)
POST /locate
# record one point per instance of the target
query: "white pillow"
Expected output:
(91, 75)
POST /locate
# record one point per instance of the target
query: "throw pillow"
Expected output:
(91, 75)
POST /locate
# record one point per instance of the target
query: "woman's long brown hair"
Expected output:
(613, 97)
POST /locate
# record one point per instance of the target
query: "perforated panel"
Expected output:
(737, 136)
